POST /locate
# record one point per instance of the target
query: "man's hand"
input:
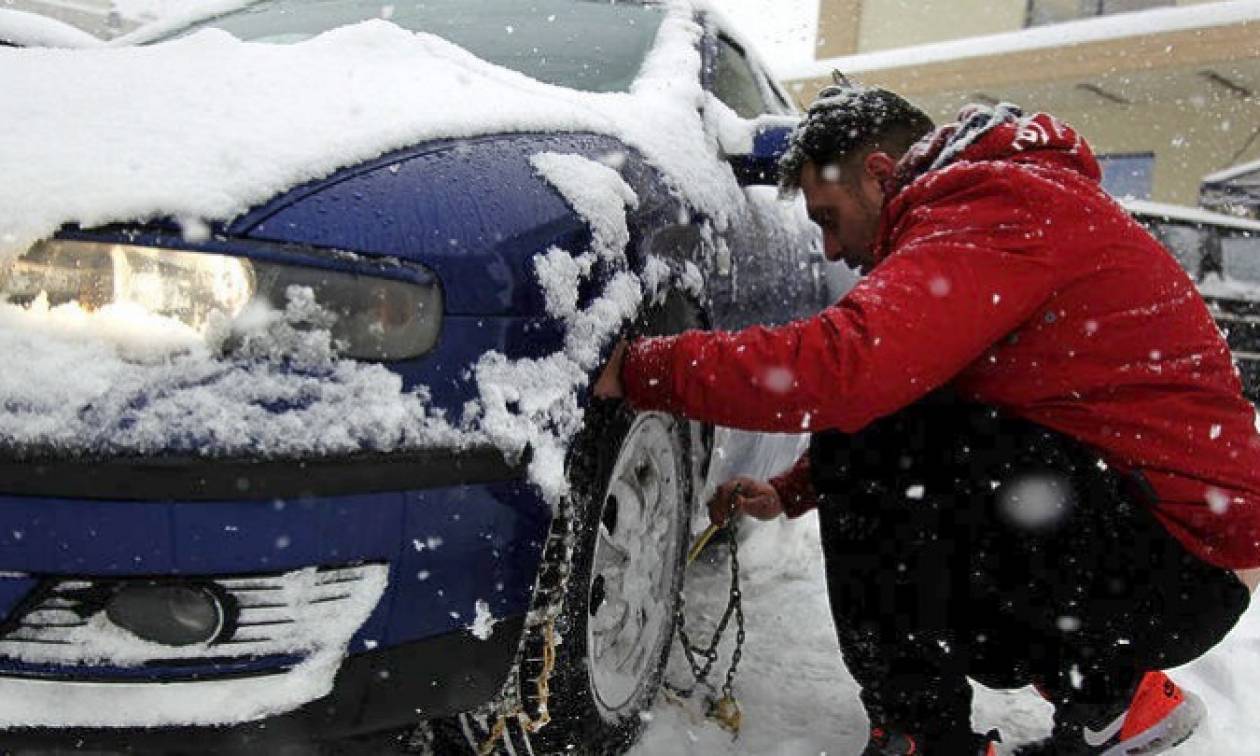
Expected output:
(755, 497)
(609, 384)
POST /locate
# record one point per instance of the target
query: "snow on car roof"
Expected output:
(1190, 215)
(1234, 171)
(33, 30)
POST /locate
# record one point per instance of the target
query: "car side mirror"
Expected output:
(754, 155)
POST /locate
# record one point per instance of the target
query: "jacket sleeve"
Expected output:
(960, 277)
(795, 488)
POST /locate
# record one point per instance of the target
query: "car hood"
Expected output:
(474, 211)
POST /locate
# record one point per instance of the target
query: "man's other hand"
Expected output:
(755, 497)
(608, 386)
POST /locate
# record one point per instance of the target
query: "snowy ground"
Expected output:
(799, 700)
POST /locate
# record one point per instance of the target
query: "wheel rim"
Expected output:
(633, 568)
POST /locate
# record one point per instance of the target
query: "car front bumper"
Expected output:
(452, 535)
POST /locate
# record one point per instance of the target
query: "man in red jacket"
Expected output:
(1031, 456)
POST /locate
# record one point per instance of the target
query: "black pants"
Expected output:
(960, 543)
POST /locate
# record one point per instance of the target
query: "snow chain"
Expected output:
(724, 709)
(547, 609)
(542, 687)
(488, 726)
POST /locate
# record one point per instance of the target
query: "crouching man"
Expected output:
(1031, 456)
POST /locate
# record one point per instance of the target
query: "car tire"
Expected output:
(602, 629)
(627, 571)
(591, 708)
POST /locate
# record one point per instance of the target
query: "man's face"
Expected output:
(845, 201)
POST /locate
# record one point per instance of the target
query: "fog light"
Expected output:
(173, 615)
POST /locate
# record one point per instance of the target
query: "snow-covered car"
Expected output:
(1222, 254)
(22, 29)
(300, 306)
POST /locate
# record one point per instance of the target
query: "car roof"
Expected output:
(1189, 215)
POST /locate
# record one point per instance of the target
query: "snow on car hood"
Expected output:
(207, 126)
(204, 127)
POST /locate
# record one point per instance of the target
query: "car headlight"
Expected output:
(377, 318)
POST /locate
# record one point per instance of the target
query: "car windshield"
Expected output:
(580, 44)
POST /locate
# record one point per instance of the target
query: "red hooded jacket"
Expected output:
(1005, 270)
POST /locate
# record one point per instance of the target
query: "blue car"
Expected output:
(190, 597)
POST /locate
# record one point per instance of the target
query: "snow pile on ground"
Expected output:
(799, 700)
(1225, 287)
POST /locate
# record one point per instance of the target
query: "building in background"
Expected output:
(1166, 92)
(1235, 189)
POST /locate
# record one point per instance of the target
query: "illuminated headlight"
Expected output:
(376, 318)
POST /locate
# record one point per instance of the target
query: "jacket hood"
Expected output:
(981, 135)
(1003, 133)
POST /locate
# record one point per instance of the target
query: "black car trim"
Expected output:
(210, 479)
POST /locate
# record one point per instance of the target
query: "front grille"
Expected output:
(294, 613)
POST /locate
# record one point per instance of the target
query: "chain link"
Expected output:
(701, 670)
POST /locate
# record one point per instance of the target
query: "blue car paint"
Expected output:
(474, 211)
(446, 548)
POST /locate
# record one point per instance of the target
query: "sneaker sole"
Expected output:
(1171, 731)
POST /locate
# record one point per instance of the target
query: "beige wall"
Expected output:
(1189, 139)
(846, 27)
(1189, 142)
(839, 22)
(886, 24)
(1168, 106)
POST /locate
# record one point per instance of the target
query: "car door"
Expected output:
(768, 266)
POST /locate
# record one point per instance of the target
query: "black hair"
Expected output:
(846, 119)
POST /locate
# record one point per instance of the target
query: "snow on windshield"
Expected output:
(595, 47)
(202, 128)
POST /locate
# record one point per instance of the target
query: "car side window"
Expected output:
(735, 82)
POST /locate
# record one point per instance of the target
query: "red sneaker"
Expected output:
(1160, 715)
(887, 743)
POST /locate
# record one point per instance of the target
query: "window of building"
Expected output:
(1186, 243)
(1241, 257)
(1128, 175)
(1042, 12)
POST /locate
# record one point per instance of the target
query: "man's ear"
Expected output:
(879, 165)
